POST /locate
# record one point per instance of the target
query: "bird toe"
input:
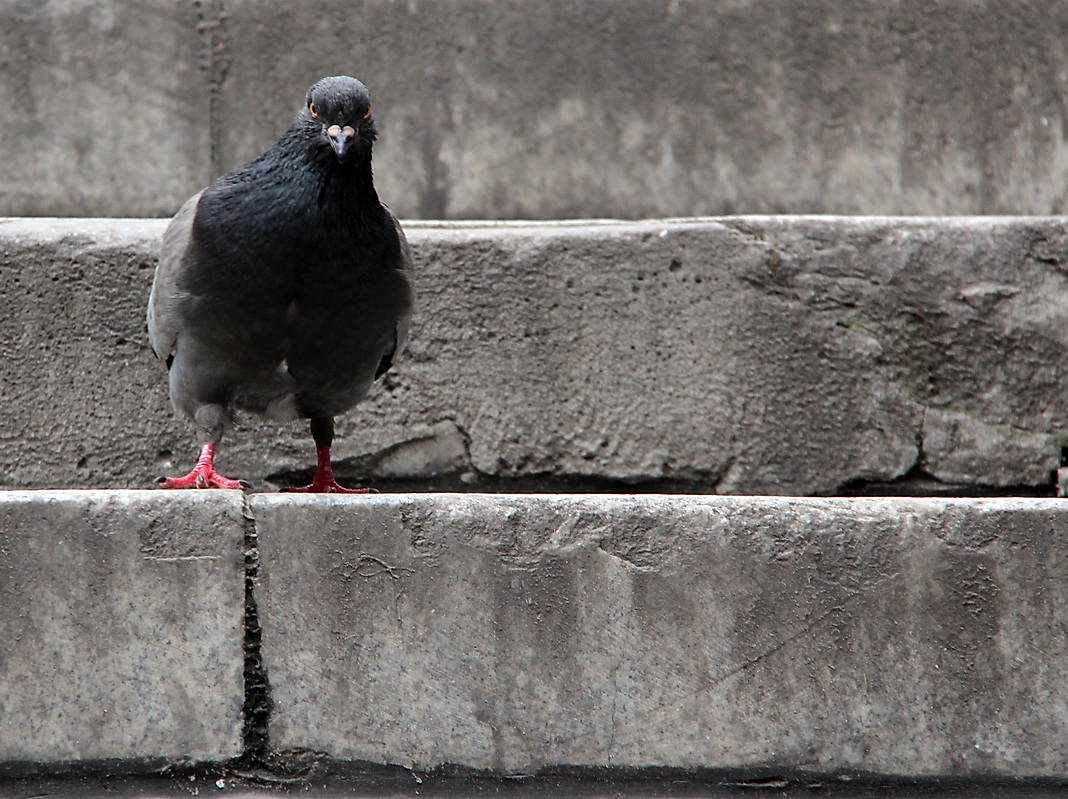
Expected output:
(203, 479)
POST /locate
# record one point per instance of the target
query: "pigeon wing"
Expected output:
(163, 320)
(404, 323)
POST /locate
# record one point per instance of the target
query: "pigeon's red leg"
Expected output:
(203, 475)
(324, 482)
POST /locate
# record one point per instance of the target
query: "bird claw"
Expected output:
(330, 486)
(203, 479)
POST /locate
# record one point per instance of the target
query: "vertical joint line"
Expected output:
(256, 711)
(215, 62)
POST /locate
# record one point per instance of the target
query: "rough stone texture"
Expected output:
(85, 399)
(508, 109)
(903, 637)
(781, 355)
(121, 616)
(960, 449)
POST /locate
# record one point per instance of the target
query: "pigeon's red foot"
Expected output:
(328, 486)
(203, 475)
(324, 481)
(199, 478)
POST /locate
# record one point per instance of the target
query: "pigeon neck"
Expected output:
(360, 176)
(356, 186)
(354, 174)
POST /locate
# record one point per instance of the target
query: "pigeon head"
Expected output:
(337, 115)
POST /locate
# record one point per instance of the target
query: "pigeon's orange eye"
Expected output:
(312, 109)
(368, 114)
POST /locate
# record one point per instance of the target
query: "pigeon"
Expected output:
(285, 287)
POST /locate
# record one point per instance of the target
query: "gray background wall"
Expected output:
(739, 354)
(630, 108)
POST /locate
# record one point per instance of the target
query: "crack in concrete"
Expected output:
(257, 706)
(710, 684)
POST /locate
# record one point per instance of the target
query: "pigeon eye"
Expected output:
(368, 114)
(312, 109)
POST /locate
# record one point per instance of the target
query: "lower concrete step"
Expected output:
(121, 626)
(514, 634)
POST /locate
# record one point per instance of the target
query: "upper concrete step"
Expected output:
(510, 109)
(792, 355)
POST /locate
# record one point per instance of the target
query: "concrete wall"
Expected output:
(510, 110)
(738, 355)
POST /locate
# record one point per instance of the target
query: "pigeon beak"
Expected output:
(341, 140)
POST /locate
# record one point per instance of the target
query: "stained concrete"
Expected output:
(121, 617)
(903, 637)
(510, 110)
(747, 355)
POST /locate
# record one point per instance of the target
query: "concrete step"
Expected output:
(749, 355)
(514, 634)
(631, 108)
(122, 622)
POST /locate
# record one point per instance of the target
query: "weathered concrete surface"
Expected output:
(121, 617)
(903, 637)
(508, 109)
(781, 355)
(106, 107)
(85, 404)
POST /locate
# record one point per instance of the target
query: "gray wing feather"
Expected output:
(163, 323)
(405, 322)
